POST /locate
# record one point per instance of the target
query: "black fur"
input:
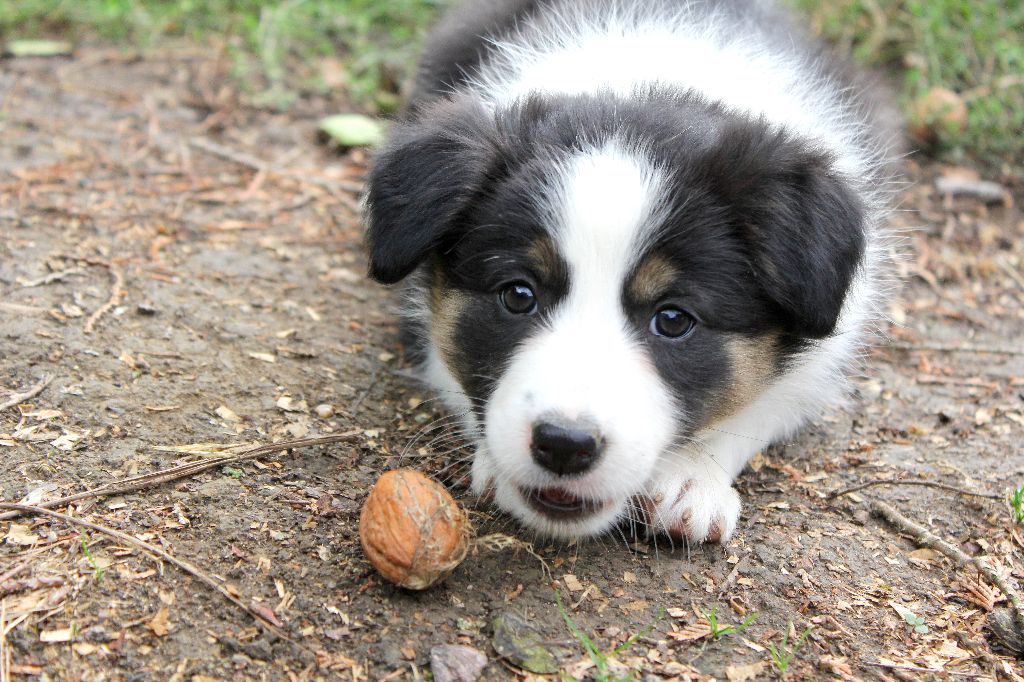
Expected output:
(764, 236)
(771, 236)
(458, 44)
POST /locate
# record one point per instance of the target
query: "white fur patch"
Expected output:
(585, 363)
(627, 48)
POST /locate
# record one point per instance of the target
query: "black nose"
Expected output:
(569, 448)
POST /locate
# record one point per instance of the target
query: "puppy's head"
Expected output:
(606, 278)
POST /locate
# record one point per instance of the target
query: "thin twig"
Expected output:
(21, 309)
(916, 669)
(18, 398)
(366, 391)
(52, 277)
(184, 470)
(228, 154)
(1012, 273)
(189, 568)
(5, 654)
(259, 165)
(944, 348)
(925, 537)
(929, 379)
(4, 577)
(116, 291)
(928, 484)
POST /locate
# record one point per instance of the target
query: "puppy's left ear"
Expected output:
(801, 223)
(421, 184)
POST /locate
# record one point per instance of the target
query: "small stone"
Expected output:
(515, 639)
(324, 411)
(456, 663)
(1003, 624)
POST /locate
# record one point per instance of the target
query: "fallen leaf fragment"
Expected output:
(20, 534)
(572, 582)
(288, 404)
(267, 614)
(742, 673)
(38, 48)
(264, 357)
(56, 636)
(160, 623)
(227, 414)
(353, 130)
(924, 554)
(691, 632)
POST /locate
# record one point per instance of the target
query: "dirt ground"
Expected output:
(189, 271)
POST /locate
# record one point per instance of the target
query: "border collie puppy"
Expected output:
(643, 238)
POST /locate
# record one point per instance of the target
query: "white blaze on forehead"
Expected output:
(585, 362)
(602, 213)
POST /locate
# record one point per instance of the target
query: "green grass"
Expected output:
(602, 673)
(718, 631)
(973, 47)
(282, 49)
(98, 571)
(1016, 500)
(279, 49)
(785, 653)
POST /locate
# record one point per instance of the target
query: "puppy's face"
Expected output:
(599, 303)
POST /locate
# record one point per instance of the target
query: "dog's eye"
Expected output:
(672, 323)
(518, 298)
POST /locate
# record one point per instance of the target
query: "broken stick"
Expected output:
(185, 566)
(18, 398)
(183, 470)
(926, 538)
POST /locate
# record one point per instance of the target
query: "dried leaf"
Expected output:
(267, 614)
(265, 357)
(53, 636)
(160, 623)
(692, 632)
(742, 673)
(924, 554)
(288, 404)
(572, 582)
(20, 534)
(227, 414)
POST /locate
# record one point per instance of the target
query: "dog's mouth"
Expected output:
(559, 504)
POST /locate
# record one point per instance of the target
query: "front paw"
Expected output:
(692, 509)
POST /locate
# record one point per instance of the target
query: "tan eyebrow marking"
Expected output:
(651, 278)
(753, 363)
(543, 255)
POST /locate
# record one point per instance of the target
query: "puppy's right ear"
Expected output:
(422, 183)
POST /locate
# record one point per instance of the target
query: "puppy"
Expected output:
(643, 240)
